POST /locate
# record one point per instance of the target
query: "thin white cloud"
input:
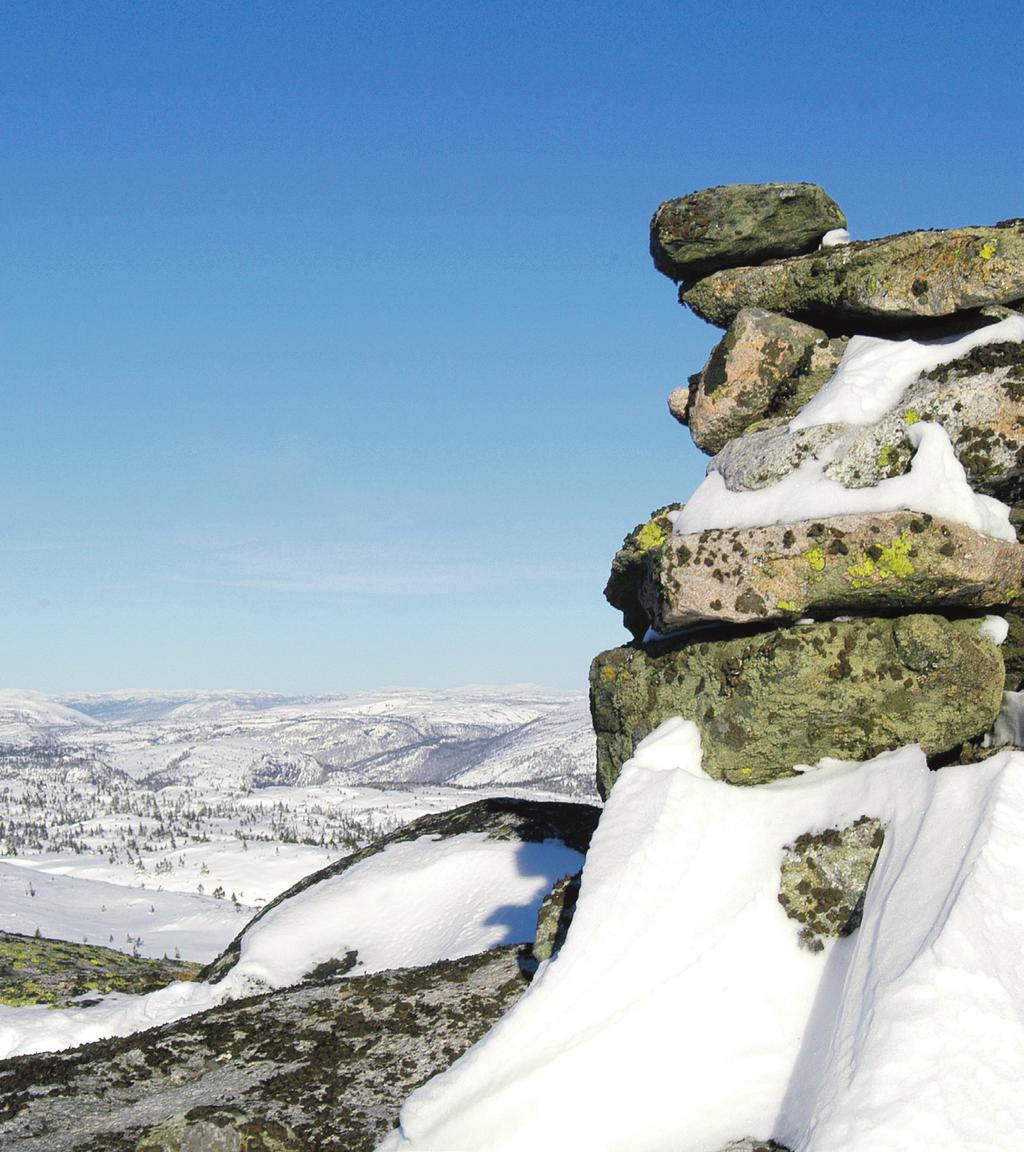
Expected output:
(374, 572)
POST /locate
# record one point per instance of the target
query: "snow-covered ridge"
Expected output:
(683, 979)
(470, 736)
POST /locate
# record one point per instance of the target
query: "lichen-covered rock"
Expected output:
(323, 1066)
(501, 818)
(885, 561)
(739, 224)
(825, 876)
(766, 365)
(37, 970)
(877, 284)
(555, 916)
(623, 588)
(978, 400)
(765, 702)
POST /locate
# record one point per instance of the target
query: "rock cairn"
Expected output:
(839, 635)
(872, 622)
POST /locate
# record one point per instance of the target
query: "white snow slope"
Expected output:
(412, 904)
(682, 1013)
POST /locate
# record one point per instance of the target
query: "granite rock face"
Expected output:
(875, 285)
(768, 701)
(890, 561)
(739, 224)
(765, 366)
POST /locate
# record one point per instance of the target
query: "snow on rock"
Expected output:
(995, 628)
(411, 904)
(682, 988)
(874, 372)
(936, 484)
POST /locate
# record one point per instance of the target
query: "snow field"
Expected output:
(412, 903)
(683, 991)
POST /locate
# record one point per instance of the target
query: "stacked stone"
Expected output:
(846, 635)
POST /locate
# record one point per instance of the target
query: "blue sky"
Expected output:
(333, 356)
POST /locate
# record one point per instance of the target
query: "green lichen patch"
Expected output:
(623, 588)
(38, 970)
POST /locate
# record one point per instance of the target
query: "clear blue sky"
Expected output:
(332, 353)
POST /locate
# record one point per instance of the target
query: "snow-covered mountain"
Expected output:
(471, 737)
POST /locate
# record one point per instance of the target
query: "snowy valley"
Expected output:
(157, 823)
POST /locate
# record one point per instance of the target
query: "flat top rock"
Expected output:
(735, 224)
(875, 285)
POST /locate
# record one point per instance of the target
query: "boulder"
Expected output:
(766, 365)
(323, 1066)
(978, 400)
(875, 285)
(623, 588)
(500, 818)
(825, 876)
(767, 701)
(739, 224)
(888, 561)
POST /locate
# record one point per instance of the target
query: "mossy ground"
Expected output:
(37, 970)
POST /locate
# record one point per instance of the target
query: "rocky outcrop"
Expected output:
(825, 876)
(876, 285)
(555, 916)
(739, 224)
(767, 701)
(500, 818)
(325, 1066)
(892, 561)
(765, 366)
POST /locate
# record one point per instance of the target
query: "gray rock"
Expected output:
(875, 285)
(768, 701)
(825, 877)
(751, 1145)
(765, 366)
(739, 224)
(889, 561)
(323, 1066)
